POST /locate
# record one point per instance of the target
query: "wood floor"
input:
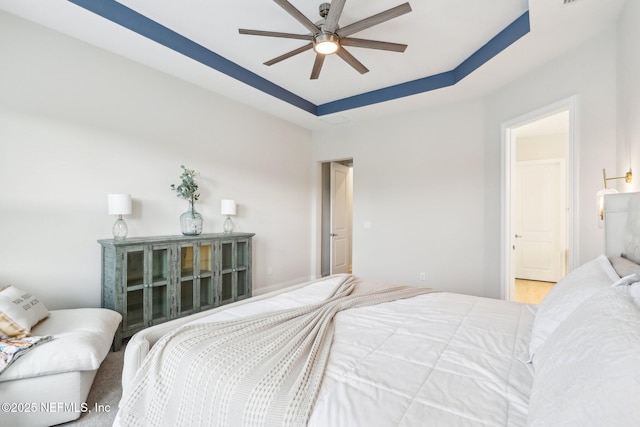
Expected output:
(531, 292)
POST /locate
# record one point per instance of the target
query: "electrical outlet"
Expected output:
(423, 276)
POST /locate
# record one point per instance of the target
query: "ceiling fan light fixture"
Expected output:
(327, 37)
(326, 43)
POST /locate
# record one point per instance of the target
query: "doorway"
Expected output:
(337, 217)
(538, 201)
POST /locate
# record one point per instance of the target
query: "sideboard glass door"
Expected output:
(187, 280)
(235, 271)
(195, 284)
(205, 276)
(133, 272)
(227, 271)
(242, 269)
(157, 285)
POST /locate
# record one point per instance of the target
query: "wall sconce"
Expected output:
(627, 177)
(119, 204)
(600, 195)
(228, 208)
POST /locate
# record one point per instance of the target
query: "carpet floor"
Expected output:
(105, 393)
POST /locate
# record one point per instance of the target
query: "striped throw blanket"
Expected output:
(263, 370)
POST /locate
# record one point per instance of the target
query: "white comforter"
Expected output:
(435, 360)
(439, 359)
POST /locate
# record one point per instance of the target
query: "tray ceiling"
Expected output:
(448, 43)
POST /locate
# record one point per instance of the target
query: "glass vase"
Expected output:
(191, 221)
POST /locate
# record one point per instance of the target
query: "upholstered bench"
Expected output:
(49, 384)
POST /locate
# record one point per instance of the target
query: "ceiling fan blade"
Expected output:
(276, 34)
(349, 59)
(373, 44)
(374, 20)
(289, 54)
(317, 66)
(331, 22)
(298, 16)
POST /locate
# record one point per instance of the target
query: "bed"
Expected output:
(400, 357)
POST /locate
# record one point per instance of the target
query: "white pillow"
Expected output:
(623, 266)
(631, 287)
(19, 311)
(588, 371)
(566, 295)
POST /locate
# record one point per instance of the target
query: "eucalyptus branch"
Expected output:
(188, 188)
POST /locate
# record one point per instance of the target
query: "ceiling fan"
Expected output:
(327, 37)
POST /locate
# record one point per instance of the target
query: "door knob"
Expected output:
(333, 234)
(518, 236)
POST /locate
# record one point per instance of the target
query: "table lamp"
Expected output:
(228, 208)
(119, 204)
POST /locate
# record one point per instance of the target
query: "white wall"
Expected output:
(629, 95)
(77, 123)
(430, 182)
(418, 184)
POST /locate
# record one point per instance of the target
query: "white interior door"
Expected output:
(540, 220)
(339, 219)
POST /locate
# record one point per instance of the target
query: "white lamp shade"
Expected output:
(119, 204)
(228, 207)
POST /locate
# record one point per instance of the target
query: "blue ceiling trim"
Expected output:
(413, 87)
(128, 18)
(504, 39)
(500, 42)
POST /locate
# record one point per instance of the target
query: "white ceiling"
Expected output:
(551, 125)
(440, 34)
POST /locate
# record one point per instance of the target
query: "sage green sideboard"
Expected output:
(150, 280)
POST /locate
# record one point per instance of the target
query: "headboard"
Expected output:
(622, 225)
